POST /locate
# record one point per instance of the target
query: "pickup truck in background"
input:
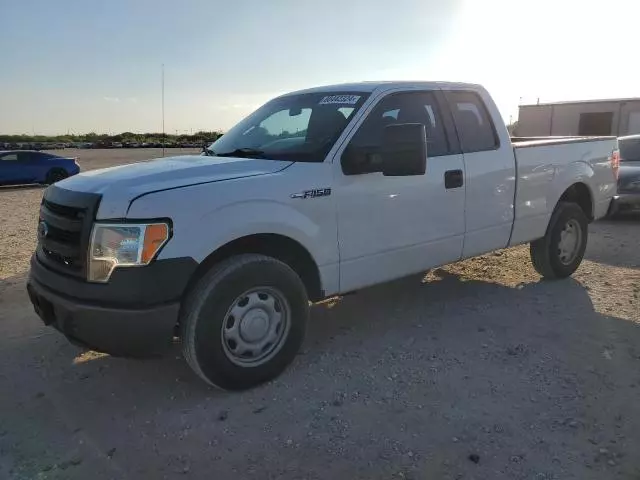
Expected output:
(317, 193)
(627, 199)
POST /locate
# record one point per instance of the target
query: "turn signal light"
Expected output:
(154, 237)
(615, 162)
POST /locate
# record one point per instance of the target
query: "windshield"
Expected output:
(629, 149)
(300, 127)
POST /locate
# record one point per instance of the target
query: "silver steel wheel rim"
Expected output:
(570, 241)
(256, 326)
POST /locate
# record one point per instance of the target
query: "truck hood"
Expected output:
(120, 185)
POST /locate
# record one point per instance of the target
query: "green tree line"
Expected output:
(125, 137)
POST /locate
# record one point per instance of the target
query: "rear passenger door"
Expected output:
(489, 174)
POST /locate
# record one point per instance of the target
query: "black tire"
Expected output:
(55, 175)
(206, 312)
(545, 252)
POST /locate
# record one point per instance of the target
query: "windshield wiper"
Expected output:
(241, 152)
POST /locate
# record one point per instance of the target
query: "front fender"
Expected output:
(204, 220)
(203, 235)
(208, 216)
(230, 222)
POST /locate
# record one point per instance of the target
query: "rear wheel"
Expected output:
(55, 175)
(244, 321)
(559, 253)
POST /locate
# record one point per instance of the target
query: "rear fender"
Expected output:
(538, 198)
(565, 177)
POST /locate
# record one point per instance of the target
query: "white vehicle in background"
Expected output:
(317, 193)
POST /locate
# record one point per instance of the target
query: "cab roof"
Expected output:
(370, 87)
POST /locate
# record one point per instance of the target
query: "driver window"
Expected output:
(413, 107)
(9, 157)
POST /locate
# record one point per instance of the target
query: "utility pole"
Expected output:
(163, 137)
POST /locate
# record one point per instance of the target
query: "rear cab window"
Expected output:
(474, 124)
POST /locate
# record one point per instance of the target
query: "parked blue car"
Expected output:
(29, 166)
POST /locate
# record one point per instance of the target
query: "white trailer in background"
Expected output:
(617, 117)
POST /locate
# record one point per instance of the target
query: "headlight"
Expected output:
(123, 245)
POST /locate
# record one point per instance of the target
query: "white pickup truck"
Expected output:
(317, 193)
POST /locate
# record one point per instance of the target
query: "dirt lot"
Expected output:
(476, 371)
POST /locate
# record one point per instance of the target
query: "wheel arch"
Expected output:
(579, 193)
(280, 247)
(48, 174)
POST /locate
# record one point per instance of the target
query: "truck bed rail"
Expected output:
(523, 142)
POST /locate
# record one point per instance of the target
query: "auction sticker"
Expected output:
(340, 99)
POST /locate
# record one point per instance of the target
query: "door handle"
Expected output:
(453, 179)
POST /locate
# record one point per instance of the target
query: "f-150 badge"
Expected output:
(315, 193)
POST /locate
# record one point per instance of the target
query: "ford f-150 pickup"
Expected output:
(317, 193)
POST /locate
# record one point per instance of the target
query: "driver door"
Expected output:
(389, 227)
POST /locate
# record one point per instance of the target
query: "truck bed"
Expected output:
(547, 166)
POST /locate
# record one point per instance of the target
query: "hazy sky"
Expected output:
(90, 65)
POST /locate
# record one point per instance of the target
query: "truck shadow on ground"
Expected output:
(441, 306)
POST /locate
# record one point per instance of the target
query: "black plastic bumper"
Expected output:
(625, 202)
(135, 314)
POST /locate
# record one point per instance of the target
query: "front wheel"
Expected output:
(244, 321)
(559, 253)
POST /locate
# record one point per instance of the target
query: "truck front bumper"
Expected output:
(135, 314)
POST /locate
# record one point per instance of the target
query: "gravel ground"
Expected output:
(477, 371)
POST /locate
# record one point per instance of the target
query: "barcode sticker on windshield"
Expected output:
(340, 99)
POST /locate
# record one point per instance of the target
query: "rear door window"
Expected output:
(473, 122)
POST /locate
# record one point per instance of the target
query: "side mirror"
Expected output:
(404, 150)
